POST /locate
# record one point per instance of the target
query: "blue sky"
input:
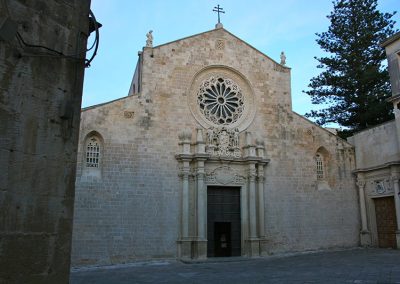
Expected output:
(271, 26)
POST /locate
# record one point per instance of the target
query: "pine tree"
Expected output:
(355, 83)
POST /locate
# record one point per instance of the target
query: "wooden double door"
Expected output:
(386, 221)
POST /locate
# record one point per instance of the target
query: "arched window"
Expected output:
(93, 152)
(319, 163)
(322, 169)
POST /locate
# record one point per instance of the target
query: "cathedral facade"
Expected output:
(205, 158)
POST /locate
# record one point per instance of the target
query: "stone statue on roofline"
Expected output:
(283, 58)
(149, 41)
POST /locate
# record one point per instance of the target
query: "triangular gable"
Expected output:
(226, 31)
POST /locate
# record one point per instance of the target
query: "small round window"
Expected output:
(220, 100)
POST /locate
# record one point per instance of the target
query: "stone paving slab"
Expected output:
(350, 266)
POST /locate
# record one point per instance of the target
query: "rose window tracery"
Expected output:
(220, 100)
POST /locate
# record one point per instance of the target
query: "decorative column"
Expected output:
(260, 174)
(395, 178)
(185, 198)
(185, 157)
(252, 200)
(201, 201)
(200, 157)
(365, 237)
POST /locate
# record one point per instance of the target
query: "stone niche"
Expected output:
(219, 161)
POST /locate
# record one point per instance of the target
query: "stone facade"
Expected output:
(164, 146)
(40, 101)
(377, 167)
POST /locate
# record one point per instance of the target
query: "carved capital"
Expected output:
(360, 183)
(199, 170)
(192, 176)
(252, 175)
(395, 178)
(184, 170)
(184, 175)
(200, 175)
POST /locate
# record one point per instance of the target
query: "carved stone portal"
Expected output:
(223, 142)
(199, 169)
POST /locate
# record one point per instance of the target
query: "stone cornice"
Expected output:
(239, 160)
(206, 157)
(393, 98)
(379, 167)
(201, 156)
(390, 40)
(184, 157)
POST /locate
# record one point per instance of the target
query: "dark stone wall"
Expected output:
(40, 100)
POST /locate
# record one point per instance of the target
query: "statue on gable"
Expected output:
(149, 41)
(283, 58)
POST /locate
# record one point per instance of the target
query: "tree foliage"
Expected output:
(355, 84)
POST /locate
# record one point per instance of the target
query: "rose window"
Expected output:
(220, 100)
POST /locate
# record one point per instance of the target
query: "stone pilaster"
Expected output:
(184, 242)
(395, 178)
(185, 199)
(365, 237)
(261, 221)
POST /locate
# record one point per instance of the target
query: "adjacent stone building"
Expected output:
(378, 167)
(205, 157)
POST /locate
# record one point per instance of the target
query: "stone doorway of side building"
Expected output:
(386, 221)
(223, 221)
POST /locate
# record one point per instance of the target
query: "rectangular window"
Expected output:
(320, 167)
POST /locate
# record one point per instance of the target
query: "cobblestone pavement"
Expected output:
(348, 266)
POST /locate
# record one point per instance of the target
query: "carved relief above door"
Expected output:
(224, 175)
